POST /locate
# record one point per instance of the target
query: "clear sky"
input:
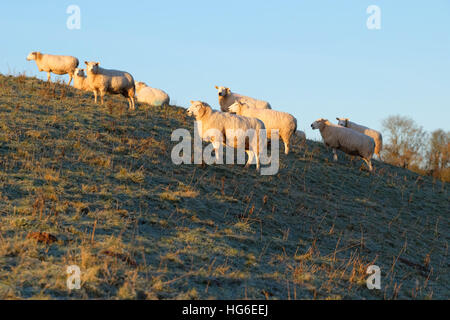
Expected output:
(312, 58)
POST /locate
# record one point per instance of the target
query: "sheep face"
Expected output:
(79, 72)
(92, 67)
(235, 107)
(343, 122)
(197, 109)
(223, 91)
(319, 124)
(238, 107)
(33, 56)
(140, 85)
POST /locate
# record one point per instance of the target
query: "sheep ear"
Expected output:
(192, 102)
(97, 64)
(217, 87)
(86, 63)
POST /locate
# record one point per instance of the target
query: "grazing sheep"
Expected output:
(54, 64)
(300, 135)
(285, 123)
(347, 140)
(299, 138)
(80, 81)
(229, 124)
(102, 81)
(375, 135)
(151, 96)
(227, 98)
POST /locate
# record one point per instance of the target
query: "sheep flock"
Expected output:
(237, 112)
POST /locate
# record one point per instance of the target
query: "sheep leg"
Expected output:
(286, 146)
(257, 161)
(369, 164)
(70, 79)
(48, 76)
(216, 146)
(335, 156)
(130, 95)
(102, 95)
(251, 155)
(95, 96)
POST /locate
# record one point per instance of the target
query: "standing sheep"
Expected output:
(102, 81)
(285, 123)
(375, 135)
(231, 127)
(227, 98)
(153, 97)
(54, 64)
(346, 140)
(80, 81)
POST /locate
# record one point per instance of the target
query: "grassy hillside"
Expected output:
(101, 182)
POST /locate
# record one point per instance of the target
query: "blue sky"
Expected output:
(313, 58)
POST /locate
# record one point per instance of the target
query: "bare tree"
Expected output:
(438, 156)
(405, 144)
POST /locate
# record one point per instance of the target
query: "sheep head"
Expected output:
(92, 67)
(79, 72)
(319, 124)
(223, 91)
(236, 107)
(343, 122)
(33, 56)
(140, 85)
(198, 109)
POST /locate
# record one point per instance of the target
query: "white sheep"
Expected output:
(232, 128)
(153, 97)
(54, 64)
(80, 81)
(285, 123)
(227, 98)
(375, 135)
(347, 140)
(102, 81)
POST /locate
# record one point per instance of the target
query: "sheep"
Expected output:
(299, 138)
(80, 81)
(54, 64)
(102, 81)
(300, 135)
(347, 140)
(285, 123)
(151, 96)
(230, 126)
(227, 98)
(375, 135)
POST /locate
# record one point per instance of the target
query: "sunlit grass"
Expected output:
(101, 181)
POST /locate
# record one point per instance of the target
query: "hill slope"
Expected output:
(101, 181)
